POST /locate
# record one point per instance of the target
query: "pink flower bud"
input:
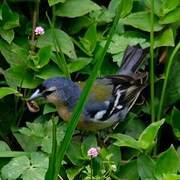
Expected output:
(93, 152)
(39, 31)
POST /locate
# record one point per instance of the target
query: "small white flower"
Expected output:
(93, 152)
(39, 31)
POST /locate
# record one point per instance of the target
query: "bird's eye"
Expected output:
(49, 91)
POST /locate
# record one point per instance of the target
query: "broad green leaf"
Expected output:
(4, 146)
(141, 20)
(90, 38)
(53, 2)
(73, 172)
(7, 35)
(78, 64)
(34, 173)
(9, 19)
(162, 7)
(166, 38)
(123, 140)
(146, 139)
(63, 39)
(168, 6)
(88, 143)
(14, 54)
(15, 168)
(44, 55)
(79, 23)
(126, 6)
(48, 108)
(157, 6)
(171, 17)
(174, 120)
(39, 160)
(74, 153)
(168, 162)
(117, 48)
(75, 8)
(101, 16)
(129, 171)
(4, 91)
(20, 77)
(171, 177)
(113, 5)
(145, 167)
(49, 71)
(173, 86)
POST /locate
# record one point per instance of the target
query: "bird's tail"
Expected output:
(132, 59)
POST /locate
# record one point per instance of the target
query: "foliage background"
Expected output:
(75, 32)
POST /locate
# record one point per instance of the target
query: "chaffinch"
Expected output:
(110, 99)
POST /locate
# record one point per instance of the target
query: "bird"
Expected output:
(110, 99)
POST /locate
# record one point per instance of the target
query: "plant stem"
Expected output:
(166, 80)
(34, 22)
(91, 169)
(152, 62)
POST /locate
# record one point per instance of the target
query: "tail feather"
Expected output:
(133, 58)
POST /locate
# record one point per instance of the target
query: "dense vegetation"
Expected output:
(73, 38)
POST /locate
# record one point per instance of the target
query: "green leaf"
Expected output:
(4, 146)
(145, 167)
(166, 38)
(117, 48)
(78, 64)
(48, 108)
(123, 140)
(4, 91)
(161, 8)
(168, 6)
(88, 143)
(90, 38)
(15, 168)
(49, 71)
(175, 121)
(9, 19)
(44, 55)
(168, 162)
(64, 40)
(34, 173)
(73, 172)
(74, 153)
(147, 137)
(126, 7)
(75, 8)
(173, 86)
(53, 2)
(171, 17)
(171, 177)
(79, 23)
(14, 54)
(39, 160)
(20, 77)
(129, 171)
(7, 35)
(141, 20)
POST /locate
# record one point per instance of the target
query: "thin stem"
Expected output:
(91, 169)
(34, 23)
(166, 80)
(152, 62)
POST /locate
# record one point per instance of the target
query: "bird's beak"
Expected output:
(35, 95)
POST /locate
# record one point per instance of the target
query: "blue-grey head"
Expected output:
(58, 90)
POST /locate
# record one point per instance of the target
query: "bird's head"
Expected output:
(58, 90)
